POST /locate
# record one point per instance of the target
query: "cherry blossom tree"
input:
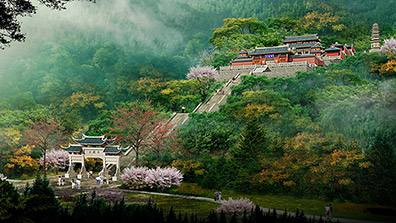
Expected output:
(235, 205)
(133, 124)
(58, 159)
(389, 46)
(161, 178)
(44, 134)
(135, 175)
(163, 137)
(205, 76)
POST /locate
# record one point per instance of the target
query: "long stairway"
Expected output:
(211, 105)
(179, 119)
(220, 98)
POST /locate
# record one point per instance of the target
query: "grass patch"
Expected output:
(180, 205)
(282, 202)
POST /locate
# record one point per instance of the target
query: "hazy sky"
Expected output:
(120, 21)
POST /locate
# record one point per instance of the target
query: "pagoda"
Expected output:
(94, 147)
(375, 39)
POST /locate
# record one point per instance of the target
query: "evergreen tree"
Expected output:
(40, 201)
(9, 202)
(253, 142)
(381, 178)
(171, 218)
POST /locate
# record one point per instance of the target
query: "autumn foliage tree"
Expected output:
(133, 124)
(44, 134)
(163, 137)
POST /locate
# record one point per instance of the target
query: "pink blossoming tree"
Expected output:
(58, 159)
(158, 178)
(389, 46)
(205, 76)
(135, 175)
(237, 205)
(161, 178)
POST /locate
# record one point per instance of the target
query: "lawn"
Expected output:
(180, 205)
(309, 206)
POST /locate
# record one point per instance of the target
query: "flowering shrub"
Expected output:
(135, 175)
(158, 178)
(56, 158)
(237, 205)
(108, 195)
(2, 177)
(161, 178)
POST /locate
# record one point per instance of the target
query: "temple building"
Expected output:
(95, 147)
(375, 40)
(307, 48)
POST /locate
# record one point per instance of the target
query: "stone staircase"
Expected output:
(178, 119)
(220, 97)
(211, 105)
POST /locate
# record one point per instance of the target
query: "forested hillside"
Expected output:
(91, 53)
(277, 135)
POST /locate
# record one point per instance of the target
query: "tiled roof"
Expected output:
(271, 50)
(305, 55)
(73, 148)
(241, 60)
(302, 45)
(240, 57)
(316, 51)
(338, 45)
(300, 38)
(332, 49)
(93, 140)
(112, 149)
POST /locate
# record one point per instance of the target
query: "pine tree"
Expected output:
(381, 178)
(253, 142)
(41, 204)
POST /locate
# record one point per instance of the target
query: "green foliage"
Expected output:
(243, 33)
(380, 180)
(10, 205)
(40, 202)
(207, 134)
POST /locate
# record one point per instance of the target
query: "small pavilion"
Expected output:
(94, 147)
